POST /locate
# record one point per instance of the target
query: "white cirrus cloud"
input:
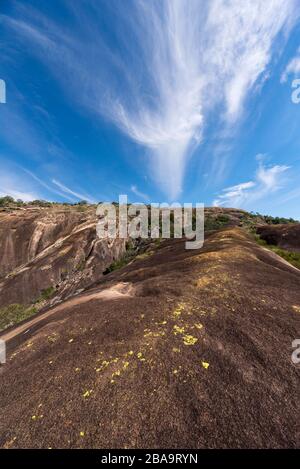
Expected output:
(77, 195)
(17, 187)
(292, 68)
(177, 61)
(267, 181)
(17, 182)
(49, 188)
(18, 195)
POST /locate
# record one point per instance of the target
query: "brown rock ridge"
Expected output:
(57, 248)
(181, 349)
(54, 248)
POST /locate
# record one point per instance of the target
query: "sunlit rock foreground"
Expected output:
(177, 349)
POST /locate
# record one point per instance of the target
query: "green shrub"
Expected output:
(119, 263)
(4, 201)
(133, 251)
(15, 313)
(40, 203)
(272, 220)
(46, 294)
(215, 223)
(290, 256)
(224, 219)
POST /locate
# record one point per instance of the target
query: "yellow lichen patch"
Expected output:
(296, 308)
(140, 357)
(130, 352)
(176, 350)
(36, 417)
(116, 373)
(198, 325)
(162, 323)
(205, 365)
(175, 372)
(154, 334)
(103, 365)
(178, 330)
(177, 312)
(52, 337)
(125, 365)
(87, 393)
(189, 339)
(81, 434)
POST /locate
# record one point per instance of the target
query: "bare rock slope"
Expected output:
(179, 349)
(54, 249)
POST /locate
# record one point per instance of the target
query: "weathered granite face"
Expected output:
(51, 247)
(57, 247)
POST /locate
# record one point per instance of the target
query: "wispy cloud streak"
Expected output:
(76, 194)
(49, 188)
(176, 62)
(292, 68)
(268, 180)
(14, 186)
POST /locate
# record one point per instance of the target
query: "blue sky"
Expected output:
(168, 100)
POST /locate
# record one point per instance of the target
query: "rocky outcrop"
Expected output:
(54, 249)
